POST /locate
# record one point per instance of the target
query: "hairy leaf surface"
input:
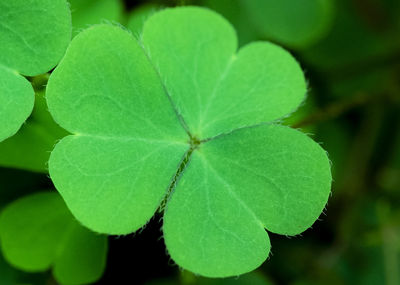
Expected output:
(180, 116)
(268, 176)
(128, 141)
(215, 89)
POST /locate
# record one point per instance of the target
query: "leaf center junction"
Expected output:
(194, 143)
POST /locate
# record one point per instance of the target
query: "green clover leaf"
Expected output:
(16, 101)
(28, 47)
(38, 232)
(180, 116)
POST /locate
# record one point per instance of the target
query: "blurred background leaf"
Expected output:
(89, 12)
(37, 232)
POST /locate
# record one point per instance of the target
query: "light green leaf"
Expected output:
(235, 186)
(38, 232)
(34, 34)
(177, 110)
(213, 88)
(16, 101)
(28, 47)
(200, 45)
(88, 12)
(254, 88)
(296, 23)
(30, 148)
(128, 141)
(114, 185)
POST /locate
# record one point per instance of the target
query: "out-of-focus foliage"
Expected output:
(89, 12)
(139, 15)
(362, 30)
(253, 278)
(233, 11)
(12, 276)
(187, 278)
(293, 23)
(38, 232)
(14, 184)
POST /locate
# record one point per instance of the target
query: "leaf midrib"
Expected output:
(178, 115)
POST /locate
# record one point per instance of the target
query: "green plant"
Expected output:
(28, 48)
(39, 232)
(30, 147)
(179, 118)
(11, 276)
